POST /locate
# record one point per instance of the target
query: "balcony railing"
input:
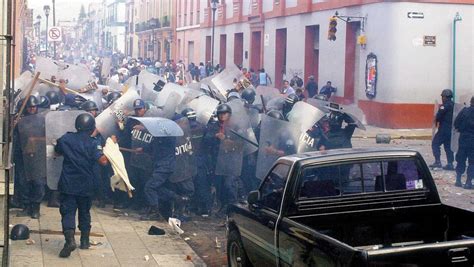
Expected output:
(148, 25)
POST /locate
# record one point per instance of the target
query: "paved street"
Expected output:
(126, 242)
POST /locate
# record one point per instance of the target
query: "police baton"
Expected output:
(244, 138)
(263, 104)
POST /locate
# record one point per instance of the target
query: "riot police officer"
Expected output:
(136, 175)
(338, 137)
(444, 120)
(464, 123)
(31, 191)
(202, 183)
(76, 183)
(290, 101)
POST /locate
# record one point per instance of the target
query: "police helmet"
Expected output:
(291, 99)
(447, 93)
(20, 232)
(223, 108)
(89, 106)
(189, 113)
(54, 97)
(233, 95)
(112, 97)
(138, 104)
(32, 102)
(249, 95)
(44, 102)
(276, 114)
(85, 122)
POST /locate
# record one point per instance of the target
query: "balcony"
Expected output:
(166, 21)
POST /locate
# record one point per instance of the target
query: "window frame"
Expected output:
(300, 178)
(283, 189)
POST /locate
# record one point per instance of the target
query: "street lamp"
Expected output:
(54, 24)
(46, 13)
(457, 18)
(214, 8)
(38, 33)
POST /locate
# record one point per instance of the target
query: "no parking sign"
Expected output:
(55, 34)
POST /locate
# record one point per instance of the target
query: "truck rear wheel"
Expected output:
(236, 255)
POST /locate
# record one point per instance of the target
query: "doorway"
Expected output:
(280, 56)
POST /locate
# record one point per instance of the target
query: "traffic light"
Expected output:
(332, 29)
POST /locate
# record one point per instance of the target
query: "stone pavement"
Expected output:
(372, 131)
(125, 242)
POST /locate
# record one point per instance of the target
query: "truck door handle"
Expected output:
(271, 224)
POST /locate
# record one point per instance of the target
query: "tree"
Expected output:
(82, 14)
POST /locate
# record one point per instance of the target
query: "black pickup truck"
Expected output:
(349, 207)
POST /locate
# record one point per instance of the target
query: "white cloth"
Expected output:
(120, 179)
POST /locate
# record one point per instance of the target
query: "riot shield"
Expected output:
(146, 85)
(254, 117)
(141, 139)
(186, 166)
(304, 115)
(22, 82)
(108, 121)
(275, 103)
(318, 103)
(235, 145)
(77, 76)
(47, 67)
(167, 91)
(95, 96)
(106, 66)
(267, 93)
(33, 145)
(57, 124)
(277, 138)
(225, 80)
(464, 101)
(204, 107)
(160, 127)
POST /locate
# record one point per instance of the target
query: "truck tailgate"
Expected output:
(449, 253)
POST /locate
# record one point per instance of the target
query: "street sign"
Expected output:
(429, 40)
(55, 34)
(415, 15)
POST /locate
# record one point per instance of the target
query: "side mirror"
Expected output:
(253, 198)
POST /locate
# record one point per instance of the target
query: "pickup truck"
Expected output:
(349, 207)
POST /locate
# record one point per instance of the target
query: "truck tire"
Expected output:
(236, 255)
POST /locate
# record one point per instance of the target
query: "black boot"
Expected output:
(26, 212)
(85, 244)
(449, 167)
(436, 164)
(54, 200)
(70, 244)
(152, 215)
(468, 184)
(458, 181)
(35, 210)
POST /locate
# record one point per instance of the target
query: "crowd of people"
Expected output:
(216, 161)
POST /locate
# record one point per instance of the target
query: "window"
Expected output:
(272, 188)
(402, 175)
(359, 178)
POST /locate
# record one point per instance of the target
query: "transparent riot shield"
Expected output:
(141, 139)
(33, 145)
(275, 103)
(146, 85)
(186, 167)
(229, 78)
(57, 124)
(267, 93)
(160, 127)
(204, 107)
(47, 67)
(167, 91)
(108, 121)
(22, 82)
(238, 133)
(106, 66)
(77, 76)
(304, 115)
(254, 117)
(95, 96)
(464, 101)
(278, 138)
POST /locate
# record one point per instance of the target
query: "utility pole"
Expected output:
(214, 8)
(54, 24)
(456, 19)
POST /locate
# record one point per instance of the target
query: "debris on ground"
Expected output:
(146, 258)
(30, 242)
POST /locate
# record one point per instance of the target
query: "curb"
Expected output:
(401, 137)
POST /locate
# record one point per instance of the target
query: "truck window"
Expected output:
(272, 188)
(344, 179)
(402, 175)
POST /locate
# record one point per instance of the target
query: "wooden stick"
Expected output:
(57, 85)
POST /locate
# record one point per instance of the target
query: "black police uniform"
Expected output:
(76, 183)
(339, 137)
(157, 187)
(464, 123)
(202, 183)
(443, 137)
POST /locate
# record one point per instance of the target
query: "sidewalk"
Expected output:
(415, 134)
(124, 241)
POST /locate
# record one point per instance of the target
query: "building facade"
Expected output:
(410, 41)
(156, 29)
(188, 32)
(115, 24)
